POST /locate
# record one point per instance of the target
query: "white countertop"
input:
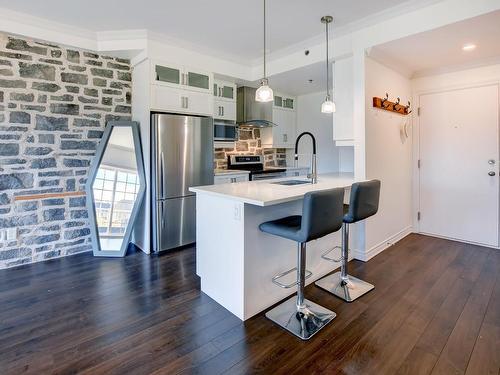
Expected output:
(228, 172)
(265, 193)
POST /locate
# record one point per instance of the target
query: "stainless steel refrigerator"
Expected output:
(182, 156)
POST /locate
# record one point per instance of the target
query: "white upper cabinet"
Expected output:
(177, 76)
(225, 91)
(224, 100)
(181, 89)
(180, 101)
(343, 131)
(284, 102)
(224, 110)
(285, 117)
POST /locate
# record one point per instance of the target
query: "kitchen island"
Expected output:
(235, 260)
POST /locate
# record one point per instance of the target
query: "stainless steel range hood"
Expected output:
(250, 112)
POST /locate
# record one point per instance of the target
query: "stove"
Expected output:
(254, 164)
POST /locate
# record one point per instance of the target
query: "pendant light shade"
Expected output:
(264, 93)
(328, 106)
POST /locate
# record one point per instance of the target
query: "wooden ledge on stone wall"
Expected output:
(48, 195)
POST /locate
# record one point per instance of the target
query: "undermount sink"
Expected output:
(291, 182)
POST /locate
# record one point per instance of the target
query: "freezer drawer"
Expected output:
(176, 222)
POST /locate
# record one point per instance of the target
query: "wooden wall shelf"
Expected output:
(395, 107)
(49, 195)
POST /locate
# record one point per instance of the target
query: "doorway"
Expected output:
(458, 164)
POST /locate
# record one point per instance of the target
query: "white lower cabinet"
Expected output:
(229, 179)
(179, 100)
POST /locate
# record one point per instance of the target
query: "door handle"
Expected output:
(162, 164)
(222, 110)
(491, 173)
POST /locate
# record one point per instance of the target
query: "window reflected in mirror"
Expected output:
(115, 188)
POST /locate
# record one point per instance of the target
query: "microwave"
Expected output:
(225, 131)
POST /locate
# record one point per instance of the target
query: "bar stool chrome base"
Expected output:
(348, 291)
(302, 322)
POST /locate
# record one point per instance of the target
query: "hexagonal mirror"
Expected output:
(115, 188)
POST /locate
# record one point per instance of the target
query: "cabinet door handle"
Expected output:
(285, 138)
(187, 102)
(222, 108)
(233, 179)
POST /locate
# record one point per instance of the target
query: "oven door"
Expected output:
(224, 131)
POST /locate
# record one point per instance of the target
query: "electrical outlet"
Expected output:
(237, 212)
(11, 234)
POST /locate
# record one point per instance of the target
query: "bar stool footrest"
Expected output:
(302, 322)
(348, 291)
(283, 274)
(326, 257)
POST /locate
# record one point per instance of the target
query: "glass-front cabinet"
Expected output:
(282, 101)
(172, 75)
(224, 90)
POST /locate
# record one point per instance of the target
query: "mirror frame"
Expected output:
(94, 167)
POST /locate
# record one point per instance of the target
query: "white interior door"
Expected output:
(459, 154)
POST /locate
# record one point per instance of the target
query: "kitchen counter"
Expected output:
(229, 172)
(235, 260)
(267, 193)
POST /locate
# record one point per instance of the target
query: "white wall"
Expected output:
(310, 118)
(445, 81)
(388, 158)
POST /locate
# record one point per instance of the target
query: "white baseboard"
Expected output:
(377, 249)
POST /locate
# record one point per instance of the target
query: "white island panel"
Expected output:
(235, 260)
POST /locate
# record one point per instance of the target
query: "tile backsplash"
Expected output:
(249, 143)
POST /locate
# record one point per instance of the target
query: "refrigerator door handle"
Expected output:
(162, 216)
(162, 165)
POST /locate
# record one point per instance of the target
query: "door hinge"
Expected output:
(418, 111)
(418, 215)
(418, 163)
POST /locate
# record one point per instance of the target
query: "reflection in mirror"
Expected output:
(115, 188)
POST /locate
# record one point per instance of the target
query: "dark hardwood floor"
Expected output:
(435, 310)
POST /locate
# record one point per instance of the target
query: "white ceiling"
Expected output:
(231, 27)
(440, 50)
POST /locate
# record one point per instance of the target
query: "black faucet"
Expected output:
(313, 175)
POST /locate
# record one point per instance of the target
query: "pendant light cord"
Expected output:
(265, 39)
(327, 70)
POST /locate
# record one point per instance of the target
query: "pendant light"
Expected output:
(328, 106)
(264, 93)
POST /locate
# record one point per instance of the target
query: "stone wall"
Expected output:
(249, 144)
(54, 103)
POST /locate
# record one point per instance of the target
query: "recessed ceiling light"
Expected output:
(469, 47)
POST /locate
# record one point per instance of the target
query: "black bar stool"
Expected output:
(363, 203)
(322, 213)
